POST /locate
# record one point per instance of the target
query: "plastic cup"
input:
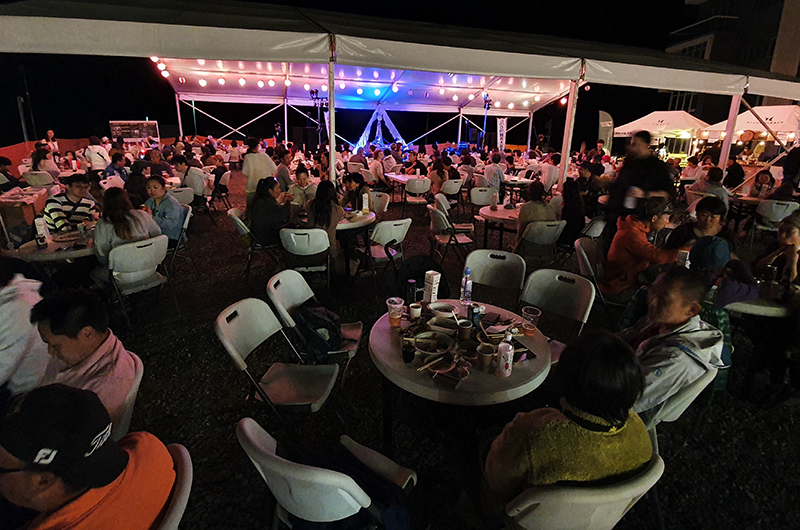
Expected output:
(395, 309)
(530, 319)
(464, 329)
(414, 311)
(485, 357)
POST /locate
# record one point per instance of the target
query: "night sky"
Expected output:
(77, 95)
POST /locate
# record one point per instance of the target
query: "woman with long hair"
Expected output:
(120, 224)
(43, 161)
(573, 212)
(325, 212)
(269, 212)
(438, 176)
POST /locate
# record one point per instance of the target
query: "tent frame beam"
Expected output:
(345, 140)
(232, 129)
(437, 127)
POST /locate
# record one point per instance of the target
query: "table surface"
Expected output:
(479, 388)
(760, 307)
(357, 221)
(30, 252)
(402, 178)
(501, 215)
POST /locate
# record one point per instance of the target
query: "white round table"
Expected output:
(502, 217)
(55, 251)
(760, 307)
(356, 221)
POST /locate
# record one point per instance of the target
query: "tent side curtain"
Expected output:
(142, 39)
(774, 87)
(405, 55)
(663, 78)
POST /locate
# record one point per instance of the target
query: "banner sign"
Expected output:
(502, 128)
(606, 129)
(134, 131)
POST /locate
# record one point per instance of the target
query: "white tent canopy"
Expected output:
(784, 120)
(664, 124)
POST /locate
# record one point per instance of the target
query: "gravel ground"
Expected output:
(739, 471)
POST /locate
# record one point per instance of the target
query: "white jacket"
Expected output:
(673, 360)
(23, 354)
(97, 156)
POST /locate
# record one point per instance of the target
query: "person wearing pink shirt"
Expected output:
(85, 352)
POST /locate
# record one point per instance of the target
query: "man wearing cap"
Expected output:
(65, 211)
(86, 353)
(59, 469)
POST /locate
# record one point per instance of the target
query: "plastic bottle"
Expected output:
(505, 357)
(466, 287)
(365, 202)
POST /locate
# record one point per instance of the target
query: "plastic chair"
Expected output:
(581, 506)
(245, 325)
(369, 178)
(496, 268)
(22, 169)
(594, 228)
(224, 180)
(209, 169)
(133, 269)
(184, 475)
(562, 293)
(591, 264)
(418, 187)
(235, 215)
(386, 242)
(443, 204)
(452, 190)
(123, 425)
(287, 291)
(182, 241)
(771, 212)
(310, 493)
(443, 234)
(114, 181)
(380, 202)
(355, 167)
(38, 178)
(308, 250)
(184, 195)
(543, 235)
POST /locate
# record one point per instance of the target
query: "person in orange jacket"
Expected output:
(631, 252)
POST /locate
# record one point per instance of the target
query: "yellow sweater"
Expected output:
(545, 447)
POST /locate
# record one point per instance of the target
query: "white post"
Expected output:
(332, 108)
(180, 123)
(286, 119)
(568, 127)
(530, 130)
(733, 112)
(460, 122)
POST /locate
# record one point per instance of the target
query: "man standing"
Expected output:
(493, 176)
(61, 470)
(117, 167)
(65, 211)
(86, 353)
(256, 166)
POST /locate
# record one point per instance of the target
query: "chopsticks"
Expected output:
(431, 363)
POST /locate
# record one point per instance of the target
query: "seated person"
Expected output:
(573, 212)
(218, 171)
(355, 189)
(414, 164)
(269, 212)
(675, 347)
(65, 211)
(136, 185)
(713, 185)
(324, 212)
(302, 190)
(594, 435)
(784, 192)
(23, 355)
(7, 180)
(42, 160)
(729, 279)
(165, 209)
(120, 223)
(631, 253)
(157, 165)
(117, 167)
(192, 177)
(85, 352)
(710, 212)
(763, 184)
(377, 172)
(61, 470)
(282, 171)
(536, 209)
(783, 253)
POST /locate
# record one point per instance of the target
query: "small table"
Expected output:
(760, 307)
(55, 251)
(350, 228)
(479, 389)
(501, 216)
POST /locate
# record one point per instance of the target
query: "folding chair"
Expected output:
(224, 180)
(123, 425)
(242, 229)
(133, 268)
(594, 228)
(419, 187)
(769, 215)
(444, 234)
(184, 195)
(386, 243)
(444, 205)
(287, 291)
(562, 293)
(591, 264)
(114, 181)
(496, 268)
(355, 167)
(380, 202)
(543, 236)
(38, 178)
(307, 250)
(452, 190)
(183, 241)
(244, 326)
(184, 475)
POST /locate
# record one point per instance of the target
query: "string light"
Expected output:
(342, 85)
(203, 82)
(455, 97)
(537, 98)
(511, 105)
(395, 88)
(471, 97)
(165, 73)
(306, 87)
(359, 91)
(260, 83)
(181, 79)
(324, 88)
(375, 74)
(242, 81)
(441, 91)
(377, 92)
(563, 101)
(497, 104)
(271, 83)
(154, 59)
(288, 82)
(221, 81)
(525, 103)
(201, 62)
(162, 66)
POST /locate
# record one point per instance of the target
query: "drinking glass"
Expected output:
(395, 309)
(530, 319)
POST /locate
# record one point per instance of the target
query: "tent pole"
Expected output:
(286, 120)
(569, 126)
(530, 130)
(764, 124)
(733, 113)
(178, 108)
(332, 109)
(460, 122)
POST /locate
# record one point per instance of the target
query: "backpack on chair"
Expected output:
(320, 331)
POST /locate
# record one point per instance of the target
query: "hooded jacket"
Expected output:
(630, 254)
(23, 354)
(672, 360)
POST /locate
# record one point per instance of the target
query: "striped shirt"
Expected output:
(61, 214)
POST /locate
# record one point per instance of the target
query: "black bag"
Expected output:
(320, 331)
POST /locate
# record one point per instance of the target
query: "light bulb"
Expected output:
(162, 66)
(306, 87)
(536, 98)
(441, 92)
(203, 82)
(563, 101)
(377, 92)
(358, 73)
(471, 97)
(375, 74)
(271, 82)
(324, 88)
(181, 79)
(242, 81)
(511, 105)
(201, 62)
(455, 97)
(260, 83)
(496, 103)
(525, 103)
(394, 88)
(154, 59)
(165, 73)
(359, 91)
(220, 65)
(221, 81)
(287, 82)
(342, 85)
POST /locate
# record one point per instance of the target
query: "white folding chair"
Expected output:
(133, 268)
(503, 166)
(452, 190)
(355, 167)
(496, 268)
(287, 291)
(22, 169)
(369, 178)
(591, 264)
(562, 293)
(380, 202)
(209, 169)
(184, 195)
(114, 181)
(693, 196)
(38, 178)
(183, 244)
(443, 204)
(244, 326)
(307, 250)
(769, 214)
(594, 228)
(573, 507)
(418, 187)
(444, 234)
(386, 242)
(542, 237)
(235, 215)
(123, 425)
(184, 475)
(309, 493)
(224, 180)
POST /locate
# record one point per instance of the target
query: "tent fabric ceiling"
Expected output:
(783, 119)
(665, 124)
(231, 30)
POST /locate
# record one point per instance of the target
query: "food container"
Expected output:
(443, 310)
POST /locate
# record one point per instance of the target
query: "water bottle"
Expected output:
(365, 202)
(505, 357)
(466, 287)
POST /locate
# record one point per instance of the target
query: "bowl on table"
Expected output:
(432, 343)
(443, 310)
